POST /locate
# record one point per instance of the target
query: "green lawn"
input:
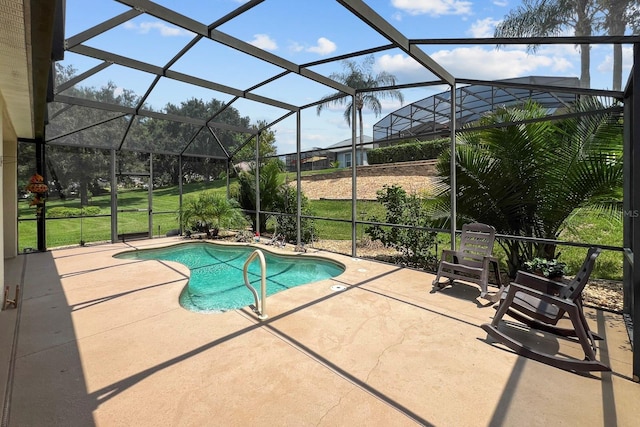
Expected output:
(582, 227)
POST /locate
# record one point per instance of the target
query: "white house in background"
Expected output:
(344, 154)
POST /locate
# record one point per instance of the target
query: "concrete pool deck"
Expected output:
(103, 341)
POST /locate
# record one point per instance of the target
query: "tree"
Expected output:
(528, 177)
(209, 212)
(270, 182)
(416, 245)
(618, 13)
(199, 141)
(544, 18)
(361, 78)
(267, 147)
(287, 225)
(83, 166)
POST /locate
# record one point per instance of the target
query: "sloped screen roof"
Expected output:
(134, 113)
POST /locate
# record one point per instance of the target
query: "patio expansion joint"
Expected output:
(359, 384)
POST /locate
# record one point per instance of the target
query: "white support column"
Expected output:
(8, 184)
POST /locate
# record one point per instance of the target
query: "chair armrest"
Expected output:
(539, 283)
(450, 253)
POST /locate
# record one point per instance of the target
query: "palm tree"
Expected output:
(540, 18)
(527, 178)
(618, 13)
(271, 181)
(209, 212)
(544, 18)
(361, 78)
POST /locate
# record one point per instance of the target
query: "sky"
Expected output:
(311, 30)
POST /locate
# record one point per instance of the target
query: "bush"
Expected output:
(407, 152)
(416, 246)
(287, 225)
(68, 212)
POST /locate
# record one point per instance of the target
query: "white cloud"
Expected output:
(164, 29)
(606, 66)
(478, 63)
(484, 64)
(324, 46)
(264, 42)
(433, 7)
(501, 3)
(399, 63)
(295, 47)
(483, 27)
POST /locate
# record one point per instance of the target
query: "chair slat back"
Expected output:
(476, 242)
(573, 289)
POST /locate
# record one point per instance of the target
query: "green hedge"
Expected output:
(407, 152)
(66, 212)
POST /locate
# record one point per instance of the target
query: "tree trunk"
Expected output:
(583, 28)
(616, 24)
(84, 192)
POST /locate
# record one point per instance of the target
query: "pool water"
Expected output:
(217, 284)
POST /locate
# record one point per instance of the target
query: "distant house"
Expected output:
(322, 158)
(343, 153)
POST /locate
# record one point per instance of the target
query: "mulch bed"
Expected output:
(599, 293)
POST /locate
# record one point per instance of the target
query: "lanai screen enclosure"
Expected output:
(113, 126)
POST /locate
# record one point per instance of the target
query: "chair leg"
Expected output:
(436, 282)
(582, 332)
(503, 307)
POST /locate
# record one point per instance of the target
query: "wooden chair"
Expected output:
(473, 261)
(540, 303)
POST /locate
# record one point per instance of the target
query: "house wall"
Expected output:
(343, 162)
(8, 182)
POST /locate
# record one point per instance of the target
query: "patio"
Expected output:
(102, 341)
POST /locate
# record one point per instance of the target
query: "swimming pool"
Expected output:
(217, 284)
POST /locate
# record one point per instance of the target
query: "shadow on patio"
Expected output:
(103, 341)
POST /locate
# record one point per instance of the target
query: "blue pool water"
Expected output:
(217, 284)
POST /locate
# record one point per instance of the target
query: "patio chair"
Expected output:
(541, 303)
(472, 262)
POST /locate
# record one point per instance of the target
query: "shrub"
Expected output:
(287, 225)
(209, 212)
(416, 246)
(407, 152)
(69, 212)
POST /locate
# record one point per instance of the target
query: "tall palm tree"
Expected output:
(527, 178)
(544, 18)
(270, 182)
(361, 78)
(618, 13)
(540, 18)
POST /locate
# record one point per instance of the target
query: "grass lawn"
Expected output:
(583, 227)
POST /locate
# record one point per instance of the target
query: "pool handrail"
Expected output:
(261, 304)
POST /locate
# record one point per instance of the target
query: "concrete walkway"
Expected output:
(102, 341)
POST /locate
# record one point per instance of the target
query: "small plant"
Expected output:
(209, 212)
(335, 164)
(551, 268)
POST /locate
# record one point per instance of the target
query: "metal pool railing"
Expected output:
(260, 308)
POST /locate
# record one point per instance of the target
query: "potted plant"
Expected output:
(550, 268)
